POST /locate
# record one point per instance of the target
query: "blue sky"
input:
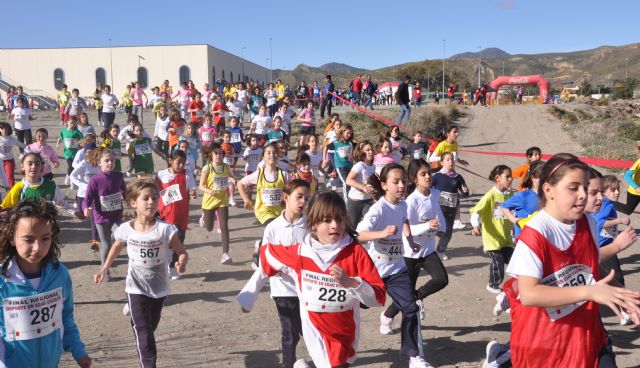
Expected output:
(368, 34)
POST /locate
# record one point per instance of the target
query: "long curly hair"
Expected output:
(40, 209)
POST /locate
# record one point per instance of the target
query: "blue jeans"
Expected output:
(367, 101)
(405, 114)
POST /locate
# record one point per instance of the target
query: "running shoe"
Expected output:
(502, 304)
(173, 273)
(301, 363)
(421, 306)
(493, 290)
(386, 324)
(232, 202)
(201, 221)
(457, 224)
(419, 362)
(67, 180)
(443, 256)
(493, 350)
(95, 245)
(226, 259)
(125, 310)
(626, 319)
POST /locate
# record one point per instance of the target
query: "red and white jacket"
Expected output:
(173, 205)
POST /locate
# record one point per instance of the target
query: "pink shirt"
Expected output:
(207, 135)
(380, 161)
(136, 96)
(185, 95)
(308, 114)
(47, 153)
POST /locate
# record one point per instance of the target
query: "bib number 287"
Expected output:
(42, 315)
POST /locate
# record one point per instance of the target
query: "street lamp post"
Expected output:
(110, 64)
(243, 48)
(479, 64)
(270, 60)
(444, 45)
(266, 73)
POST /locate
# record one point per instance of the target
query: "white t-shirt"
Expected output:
(165, 176)
(81, 175)
(242, 96)
(286, 120)
(108, 100)
(420, 209)
(386, 253)
(149, 256)
(6, 147)
(525, 262)
(86, 129)
(252, 157)
(363, 172)
(21, 118)
(261, 124)
(315, 160)
(271, 97)
(271, 177)
(234, 107)
(161, 127)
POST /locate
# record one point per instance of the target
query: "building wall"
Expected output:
(34, 68)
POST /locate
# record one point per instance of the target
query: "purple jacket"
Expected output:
(102, 196)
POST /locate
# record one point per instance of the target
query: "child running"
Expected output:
(524, 203)
(451, 185)
(303, 171)
(329, 253)
(556, 289)
(426, 221)
(382, 228)
(110, 140)
(383, 154)
(70, 135)
(176, 188)
(35, 333)
(497, 230)
(632, 177)
(215, 180)
(288, 229)
(48, 154)
(140, 150)
(7, 142)
(149, 244)
(343, 156)
(103, 200)
(80, 177)
(359, 199)
(533, 154)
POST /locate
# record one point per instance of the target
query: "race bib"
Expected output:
(418, 154)
(498, 212)
(207, 136)
(171, 194)
(33, 316)
(117, 154)
(253, 158)
(344, 151)
(609, 232)
(199, 113)
(228, 160)
(571, 275)
(379, 167)
(271, 196)
(70, 143)
(142, 149)
(147, 253)
(111, 202)
(17, 117)
(7, 150)
(235, 138)
(448, 199)
(322, 293)
(220, 182)
(388, 250)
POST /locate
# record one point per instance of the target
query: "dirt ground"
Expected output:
(202, 326)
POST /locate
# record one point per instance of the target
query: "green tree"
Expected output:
(623, 89)
(585, 88)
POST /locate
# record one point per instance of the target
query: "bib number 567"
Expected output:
(149, 253)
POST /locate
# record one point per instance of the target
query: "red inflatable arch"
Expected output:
(518, 80)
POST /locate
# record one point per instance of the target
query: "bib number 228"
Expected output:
(332, 295)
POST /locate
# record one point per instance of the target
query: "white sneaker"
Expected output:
(421, 306)
(497, 354)
(226, 259)
(443, 256)
(457, 224)
(125, 310)
(67, 180)
(301, 363)
(232, 202)
(201, 221)
(493, 290)
(173, 273)
(626, 319)
(502, 304)
(386, 324)
(418, 362)
(129, 174)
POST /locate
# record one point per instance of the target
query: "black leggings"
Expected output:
(24, 136)
(69, 165)
(357, 209)
(434, 267)
(632, 203)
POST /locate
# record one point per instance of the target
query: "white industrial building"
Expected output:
(43, 71)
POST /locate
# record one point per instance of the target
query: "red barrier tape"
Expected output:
(620, 164)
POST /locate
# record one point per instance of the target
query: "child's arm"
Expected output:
(247, 180)
(628, 176)
(71, 341)
(369, 222)
(249, 294)
(406, 231)
(534, 294)
(621, 242)
(183, 257)
(113, 254)
(203, 181)
(622, 220)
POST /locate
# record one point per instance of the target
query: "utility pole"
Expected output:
(270, 60)
(111, 65)
(243, 48)
(427, 79)
(266, 73)
(479, 64)
(626, 68)
(444, 45)
(502, 68)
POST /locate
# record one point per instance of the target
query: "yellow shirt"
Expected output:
(269, 197)
(63, 98)
(496, 227)
(445, 146)
(636, 177)
(280, 91)
(219, 182)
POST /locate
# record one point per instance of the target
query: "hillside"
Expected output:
(601, 66)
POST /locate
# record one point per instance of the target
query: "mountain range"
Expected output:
(601, 66)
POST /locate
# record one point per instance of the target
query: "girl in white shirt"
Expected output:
(382, 228)
(314, 155)
(160, 133)
(359, 197)
(149, 243)
(80, 177)
(109, 104)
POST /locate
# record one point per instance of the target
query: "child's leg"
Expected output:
(413, 270)
(496, 269)
(612, 263)
(208, 219)
(10, 169)
(145, 316)
(218, 222)
(400, 289)
(449, 216)
(439, 277)
(342, 174)
(632, 203)
(104, 233)
(291, 327)
(69, 165)
(223, 216)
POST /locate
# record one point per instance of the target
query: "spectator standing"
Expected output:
(356, 90)
(403, 99)
(328, 97)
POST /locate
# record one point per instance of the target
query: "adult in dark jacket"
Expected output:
(403, 99)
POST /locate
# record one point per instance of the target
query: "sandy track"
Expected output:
(203, 327)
